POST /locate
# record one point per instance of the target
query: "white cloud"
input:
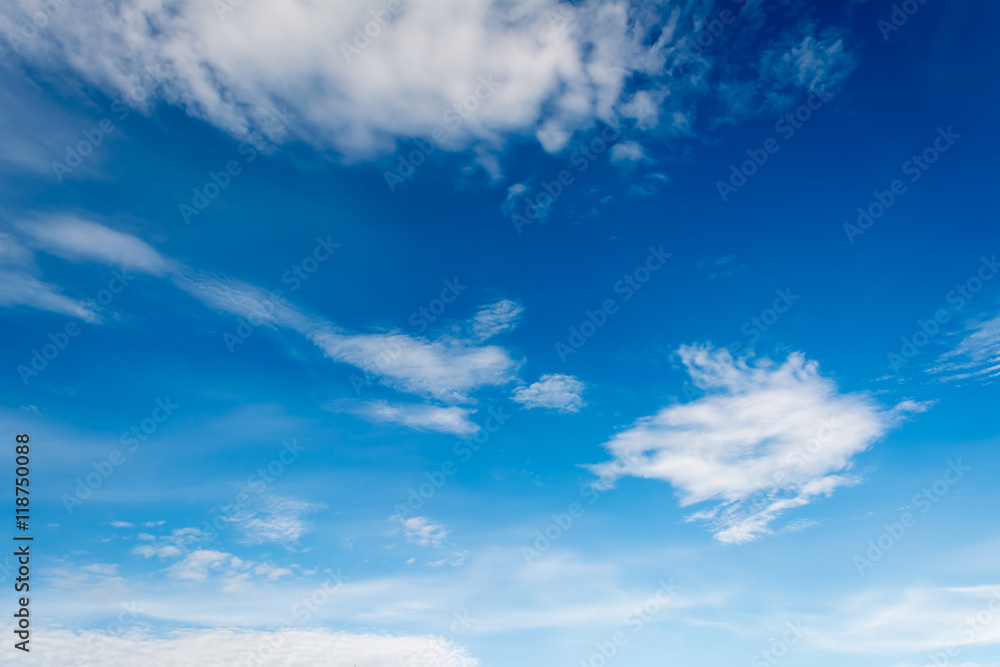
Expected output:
(496, 319)
(418, 416)
(445, 368)
(76, 239)
(811, 62)
(627, 151)
(20, 289)
(276, 519)
(19, 285)
(550, 68)
(422, 531)
(457, 559)
(104, 569)
(555, 392)
(221, 648)
(764, 439)
(164, 551)
(270, 572)
(913, 619)
(196, 565)
(977, 355)
(513, 192)
(122, 524)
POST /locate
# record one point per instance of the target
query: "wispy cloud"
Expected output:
(495, 319)
(977, 354)
(73, 238)
(419, 416)
(422, 531)
(19, 285)
(445, 368)
(276, 519)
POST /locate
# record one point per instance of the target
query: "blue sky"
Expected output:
(507, 334)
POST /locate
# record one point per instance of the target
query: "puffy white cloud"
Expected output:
(419, 416)
(765, 438)
(555, 392)
(478, 72)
